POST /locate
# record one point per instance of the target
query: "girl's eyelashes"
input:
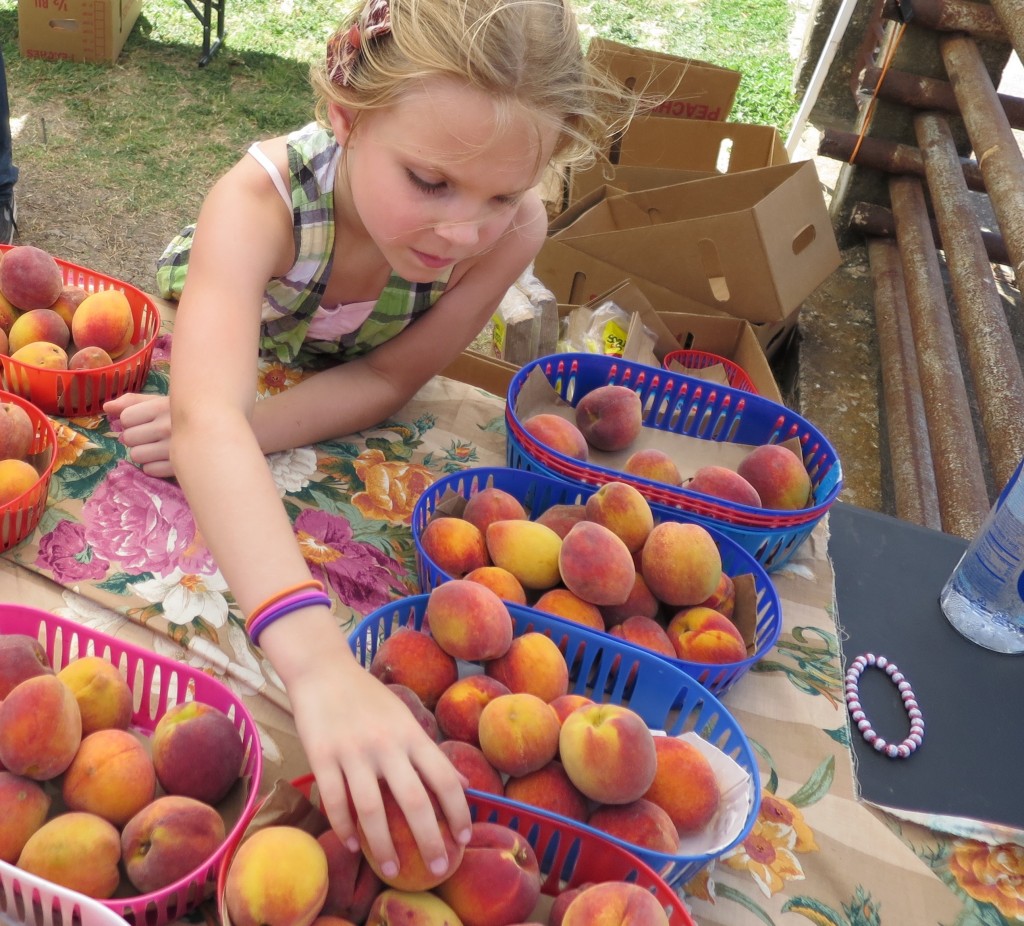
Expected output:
(425, 186)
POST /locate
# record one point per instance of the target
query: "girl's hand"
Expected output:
(356, 733)
(145, 430)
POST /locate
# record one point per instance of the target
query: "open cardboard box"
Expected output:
(75, 30)
(753, 244)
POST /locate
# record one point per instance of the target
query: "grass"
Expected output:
(118, 155)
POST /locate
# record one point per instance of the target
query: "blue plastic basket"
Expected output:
(538, 493)
(692, 407)
(611, 671)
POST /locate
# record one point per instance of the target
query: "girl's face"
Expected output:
(435, 179)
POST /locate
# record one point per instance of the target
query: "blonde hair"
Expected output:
(521, 52)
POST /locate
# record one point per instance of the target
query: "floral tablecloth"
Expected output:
(119, 551)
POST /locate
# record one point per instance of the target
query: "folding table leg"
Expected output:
(205, 17)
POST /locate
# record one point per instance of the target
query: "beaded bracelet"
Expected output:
(260, 621)
(910, 705)
(289, 590)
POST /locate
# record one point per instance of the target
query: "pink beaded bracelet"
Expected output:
(910, 705)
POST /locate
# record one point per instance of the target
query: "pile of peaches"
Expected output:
(46, 323)
(610, 418)
(17, 473)
(92, 805)
(603, 563)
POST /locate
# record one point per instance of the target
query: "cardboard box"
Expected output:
(753, 244)
(487, 373)
(685, 144)
(688, 89)
(75, 30)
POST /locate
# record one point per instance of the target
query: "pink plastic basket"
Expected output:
(157, 684)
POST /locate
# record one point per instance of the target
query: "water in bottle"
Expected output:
(984, 597)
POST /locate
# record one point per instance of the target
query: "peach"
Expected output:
(8, 313)
(412, 658)
(458, 709)
(561, 903)
(608, 753)
(70, 298)
(38, 325)
(641, 823)
(326, 920)
(411, 908)
(5, 345)
(645, 632)
(549, 788)
(681, 563)
(454, 545)
(76, 850)
(21, 657)
(111, 776)
(190, 729)
(723, 598)
(615, 903)
(104, 319)
(567, 703)
(526, 549)
(30, 278)
(702, 634)
(596, 565)
(40, 728)
(533, 664)
(351, 882)
(653, 464)
(498, 881)
(167, 839)
(610, 417)
(468, 621)
(684, 785)
(500, 581)
(518, 733)
(278, 877)
(778, 475)
(639, 601)
(492, 504)
(42, 354)
(563, 603)
(624, 511)
(16, 431)
(89, 358)
(560, 518)
(558, 434)
(26, 806)
(424, 717)
(725, 483)
(104, 699)
(472, 764)
(16, 478)
(413, 872)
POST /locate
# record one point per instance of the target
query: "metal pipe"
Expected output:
(963, 497)
(886, 156)
(916, 497)
(928, 93)
(991, 355)
(999, 156)
(977, 19)
(875, 220)
(1011, 15)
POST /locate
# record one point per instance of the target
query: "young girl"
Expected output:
(376, 242)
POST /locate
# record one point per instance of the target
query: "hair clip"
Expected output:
(344, 46)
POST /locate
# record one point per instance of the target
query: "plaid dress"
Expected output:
(290, 301)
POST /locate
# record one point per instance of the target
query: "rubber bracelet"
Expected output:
(281, 609)
(916, 736)
(314, 584)
(281, 597)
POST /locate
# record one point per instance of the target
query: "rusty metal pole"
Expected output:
(963, 497)
(976, 19)
(1011, 15)
(916, 498)
(991, 355)
(999, 156)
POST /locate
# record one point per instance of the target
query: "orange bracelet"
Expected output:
(273, 599)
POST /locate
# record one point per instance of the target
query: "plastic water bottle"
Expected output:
(984, 597)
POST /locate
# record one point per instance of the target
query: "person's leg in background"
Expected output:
(8, 172)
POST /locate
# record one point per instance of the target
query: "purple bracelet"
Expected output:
(910, 705)
(283, 607)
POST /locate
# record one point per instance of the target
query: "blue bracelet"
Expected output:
(280, 610)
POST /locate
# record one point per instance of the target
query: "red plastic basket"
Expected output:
(72, 393)
(568, 856)
(19, 517)
(735, 375)
(157, 684)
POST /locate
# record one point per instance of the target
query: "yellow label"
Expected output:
(498, 335)
(614, 339)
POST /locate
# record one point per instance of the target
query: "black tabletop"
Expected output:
(888, 576)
